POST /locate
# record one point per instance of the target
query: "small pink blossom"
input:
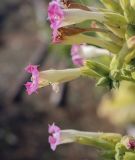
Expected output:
(55, 14)
(54, 138)
(32, 86)
(131, 144)
(76, 57)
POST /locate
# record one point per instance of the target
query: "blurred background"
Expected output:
(25, 37)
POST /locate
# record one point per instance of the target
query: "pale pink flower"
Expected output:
(32, 86)
(54, 138)
(55, 14)
(77, 59)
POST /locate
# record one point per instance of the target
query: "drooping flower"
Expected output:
(32, 86)
(54, 138)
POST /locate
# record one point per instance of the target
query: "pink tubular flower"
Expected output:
(76, 57)
(54, 138)
(55, 14)
(32, 86)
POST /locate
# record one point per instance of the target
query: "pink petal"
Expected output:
(31, 68)
(53, 128)
(75, 49)
(131, 144)
(77, 59)
(55, 14)
(54, 138)
(52, 142)
(32, 87)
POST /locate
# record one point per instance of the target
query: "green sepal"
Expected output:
(116, 84)
(95, 142)
(112, 137)
(108, 155)
(120, 151)
(129, 156)
(103, 81)
(89, 73)
(130, 31)
(129, 11)
(97, 67)
(112, 5)
(115, 19)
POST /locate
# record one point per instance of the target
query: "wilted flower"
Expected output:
(72, 36)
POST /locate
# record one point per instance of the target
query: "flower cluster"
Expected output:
(114, 42)
(108, 56)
